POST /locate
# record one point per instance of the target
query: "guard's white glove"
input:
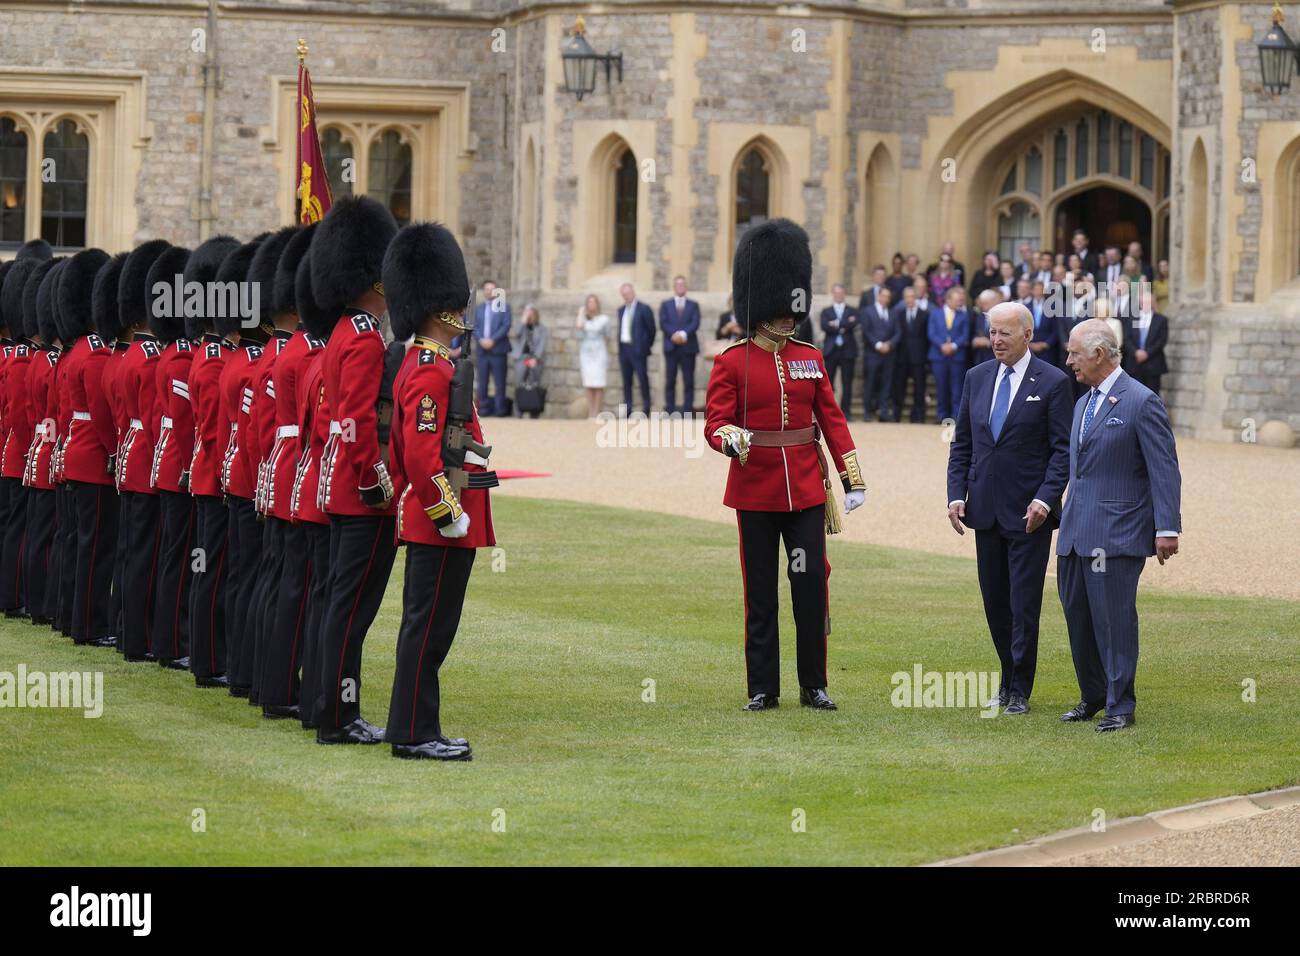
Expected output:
(854, 499)
(738, 442)
(458, 528)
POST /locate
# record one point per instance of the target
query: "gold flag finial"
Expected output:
(579, 25)
(1277, 13)
(302, 50)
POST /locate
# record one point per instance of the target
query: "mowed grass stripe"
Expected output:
(546, 679)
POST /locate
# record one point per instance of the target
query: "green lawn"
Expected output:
(546, 681)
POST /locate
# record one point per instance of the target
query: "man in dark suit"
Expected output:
(1124, 506)
(882, 336)
(1110, 269)
(914, 318)
(636, 336)
(1144, 352)
(1046, 341)
(949, 334)
(1079, 241)
(1007, 467)
(839, 322)
(1139, 257)
(492, 322)
(981, 345)
(679, 320)
(872, 292)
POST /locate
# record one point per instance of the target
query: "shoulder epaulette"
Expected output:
(254, 353)
(95, 342)
(151, 349)
(21, 351)
(733, 345)
(52, 357)
(365, 323)
(314, 343)
(9, 350)
(428, 356)
(183, 345)
(212, 350)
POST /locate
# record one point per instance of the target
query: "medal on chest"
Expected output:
(803, 369)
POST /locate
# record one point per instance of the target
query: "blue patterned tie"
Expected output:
(1088, 413)
(1001, 404)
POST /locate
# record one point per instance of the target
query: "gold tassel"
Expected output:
(833, 524)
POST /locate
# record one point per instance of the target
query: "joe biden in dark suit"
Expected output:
(1007, 468)
(1123, 507)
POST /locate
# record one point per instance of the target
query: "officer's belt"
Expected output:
(81, 416)
(287, 431)
(481, 479)
(782, 439)
(472, 459)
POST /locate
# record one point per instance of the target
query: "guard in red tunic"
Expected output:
(208, 652)
(289, 612)
(106, 317)
(137, 382)
(65, 511)
(313, 434)
(769, 403)
(40, 565)
(172, 452)
(86, 455)
(355, 488)
(20, 286)
(439, 471)
(244, 535)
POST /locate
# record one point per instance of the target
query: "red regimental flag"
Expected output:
(313, 183)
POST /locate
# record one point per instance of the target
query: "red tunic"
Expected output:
(117, 401)
(780, 397)
(41, 379)
(313, 427)
(236, 401)
(18, 411)
(174, 415)
(137, 381)
(421, 395)
(211, 433)
(92, 436)
(61, 402)
(287, 449)
(353, 366)
(261, 433)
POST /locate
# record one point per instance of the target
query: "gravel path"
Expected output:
(1267, 839)
(1234, 496)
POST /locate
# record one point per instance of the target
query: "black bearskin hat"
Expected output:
(202, 268)
(348, 252)
(47, 301)
(105, 314)
(72, 305)
(11, 293)
(133, 284)
(314, 319)
(424, 274)
(37, 249)
(771, 277)
(164, 271)
(234, 268)
(284, 297)
(26, 324)
(263, 269)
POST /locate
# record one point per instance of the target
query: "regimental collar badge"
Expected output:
(803, 368)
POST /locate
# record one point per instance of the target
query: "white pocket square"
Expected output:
(1033, 398)
(1114, 421)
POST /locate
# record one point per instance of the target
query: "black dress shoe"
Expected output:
(816, 697)
(216, 680)
(136, 658)
(762, 702)
(1115, 722)
(452, 741)
(358, 732)
(439, 749)
(280, 711)
(42, 620)
(17, 612)
(309, 725)
(239, 690)
(174, 663)
(1017, 705)
(106, 641)
(1081, 711)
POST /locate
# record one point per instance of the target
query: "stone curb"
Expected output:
(1130, 830)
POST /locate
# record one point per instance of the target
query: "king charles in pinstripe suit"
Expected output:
(1122, 507)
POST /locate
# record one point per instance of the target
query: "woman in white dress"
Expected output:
(593, 353)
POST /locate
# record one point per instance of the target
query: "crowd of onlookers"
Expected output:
(913, 327)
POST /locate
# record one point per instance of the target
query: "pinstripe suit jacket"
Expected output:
(1124, 479)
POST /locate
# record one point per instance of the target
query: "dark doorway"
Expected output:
(1110, 217)
(625, 188)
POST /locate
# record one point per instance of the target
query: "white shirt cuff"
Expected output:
(1166, 534)
(957, 502)
(1044, 504)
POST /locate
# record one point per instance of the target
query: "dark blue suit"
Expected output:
(632, 358)
(1045, 330)
(1124, 487)
(997, 478)
(878, 367)
(679, 357)
(948, 369)
(840, 349)
(492, 362)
